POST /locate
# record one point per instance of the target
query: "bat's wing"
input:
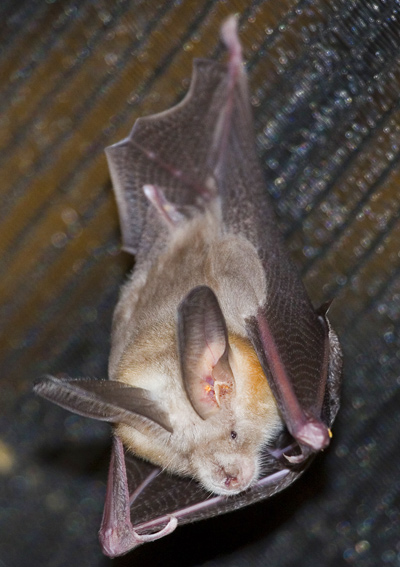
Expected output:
(170, 151)
(180, 151)
(292, 340)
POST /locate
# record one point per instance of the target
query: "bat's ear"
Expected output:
(203, 351)
(106, 400)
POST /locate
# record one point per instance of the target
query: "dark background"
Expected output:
(325, 84)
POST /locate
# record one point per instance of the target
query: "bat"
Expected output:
(223, 379)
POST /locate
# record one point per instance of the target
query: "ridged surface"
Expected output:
(325, 84)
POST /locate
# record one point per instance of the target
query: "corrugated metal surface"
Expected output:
(325, 78)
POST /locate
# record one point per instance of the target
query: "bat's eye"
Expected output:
(233, 434)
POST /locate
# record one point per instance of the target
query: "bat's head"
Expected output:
(228, 390)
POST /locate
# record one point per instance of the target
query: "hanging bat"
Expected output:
(220, 369)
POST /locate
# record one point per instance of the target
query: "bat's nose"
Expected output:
(238, 478)
(231, 481)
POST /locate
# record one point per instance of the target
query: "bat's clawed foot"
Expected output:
(297, 459)
(124, 538)
(166, 530)
(118, 541)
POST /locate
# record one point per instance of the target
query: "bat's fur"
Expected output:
(145, 354)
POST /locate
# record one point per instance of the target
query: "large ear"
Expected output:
(106, 400)
(203, 351)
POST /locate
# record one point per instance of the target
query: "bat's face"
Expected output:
(228, 462)
(222, 451)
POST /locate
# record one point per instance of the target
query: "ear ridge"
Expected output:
(203, 351)
(106, 400)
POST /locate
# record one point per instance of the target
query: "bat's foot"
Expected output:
(124, 538)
